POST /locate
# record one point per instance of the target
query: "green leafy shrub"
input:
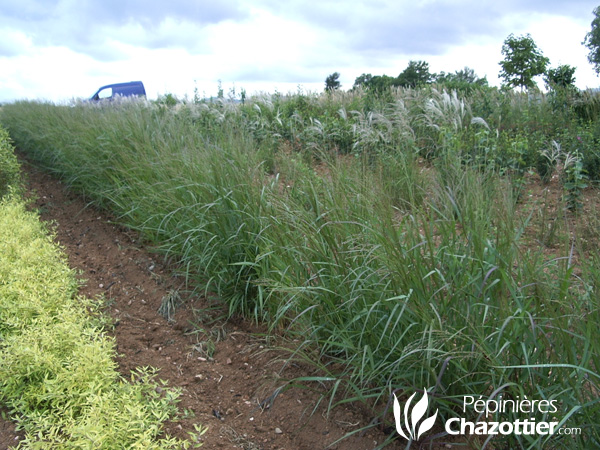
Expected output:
(58, 376)
(547, 161)
(9, 166)
(574, 180)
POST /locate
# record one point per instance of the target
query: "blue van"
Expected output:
(110, 91)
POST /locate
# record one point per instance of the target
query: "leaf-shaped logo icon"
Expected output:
(427, 425)
(397, 416)
(416, 414)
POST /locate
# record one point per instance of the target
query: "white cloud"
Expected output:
(560, 39)
(263, 42)
(14, 42)
(50, 73)
(62, 48)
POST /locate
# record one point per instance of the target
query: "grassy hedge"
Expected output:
(58, 376)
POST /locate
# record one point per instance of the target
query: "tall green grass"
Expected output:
(391, 273)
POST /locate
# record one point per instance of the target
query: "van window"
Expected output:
(105, 93)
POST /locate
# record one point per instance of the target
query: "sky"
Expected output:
(58, 50)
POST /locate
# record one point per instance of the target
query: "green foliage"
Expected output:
(582, 141)
(562, 77)
(318, 215)
(464, 81)
(586, 105)
(10, 179)
(379, 84)
(58, 377)
(574, 180)
(547, 162)
(466, 75)
(592, 41)
(416, 74)
(362, 80)
(522, 62)
(332, 82)
(167, 100)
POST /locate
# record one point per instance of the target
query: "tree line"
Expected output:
(523, 62)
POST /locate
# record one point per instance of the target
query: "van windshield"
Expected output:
(105, 93)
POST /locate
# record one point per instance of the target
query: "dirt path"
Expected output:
(226, 371)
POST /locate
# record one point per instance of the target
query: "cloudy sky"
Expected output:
(60, 49)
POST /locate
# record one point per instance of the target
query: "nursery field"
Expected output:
(222, 369)
(385, 243)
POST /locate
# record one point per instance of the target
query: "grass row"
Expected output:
(391, 274)
(58, 375)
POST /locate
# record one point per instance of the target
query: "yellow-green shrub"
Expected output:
(9, 166)
(58, 377)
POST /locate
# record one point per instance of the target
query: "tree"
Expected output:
(592, 41)
(332, 82)
(464, 79)
(381, 83)
(522, 62)
(362, 80)
(377, 83)
(416, 74)
(561, 77)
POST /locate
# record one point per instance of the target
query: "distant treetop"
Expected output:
(522, 62)
(592, 41)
